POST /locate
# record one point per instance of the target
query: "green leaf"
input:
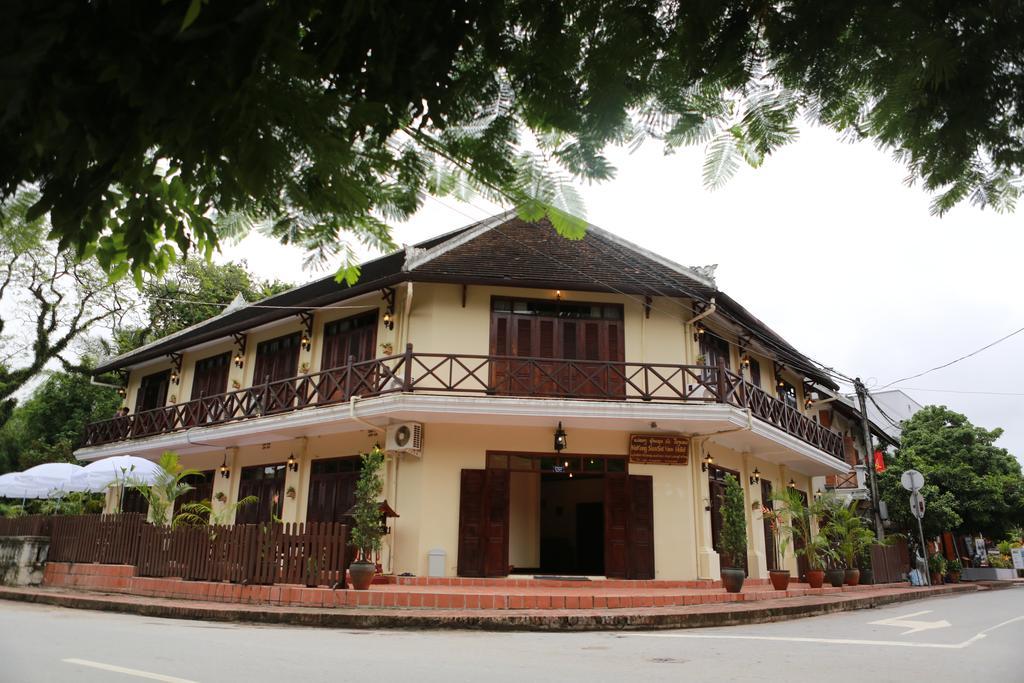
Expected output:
(191, 14)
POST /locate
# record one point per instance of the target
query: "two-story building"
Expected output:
(547, 406)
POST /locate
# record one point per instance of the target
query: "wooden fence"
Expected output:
(313, 553)
(28, 525)
(890, 563)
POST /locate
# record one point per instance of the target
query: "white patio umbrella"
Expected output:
(98, 475)
(14, 485)
(52, 479)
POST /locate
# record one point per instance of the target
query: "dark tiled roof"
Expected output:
(512, 253)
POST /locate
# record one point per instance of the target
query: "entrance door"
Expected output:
(629, 527)
(152, 392)
(277, 359)
(354, 337)
(202, 490)
(483, 523)
(332, 489)
(802, 565)
(209, 379)
(266, 482)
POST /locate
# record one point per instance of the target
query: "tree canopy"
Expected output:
(155, 128)
(971, 485)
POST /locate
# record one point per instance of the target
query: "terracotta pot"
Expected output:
(936, 579)
(851, 577)
(362, 573)
(732, 579)
(836, 577)
(815, 577)
(780, 579)
(954, 577)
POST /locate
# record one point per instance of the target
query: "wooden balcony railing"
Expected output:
(475, 375)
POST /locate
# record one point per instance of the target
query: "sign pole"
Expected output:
(924, 552)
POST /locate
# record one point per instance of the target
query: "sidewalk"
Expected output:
(738, 610)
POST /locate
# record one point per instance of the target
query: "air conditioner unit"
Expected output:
(405, 437)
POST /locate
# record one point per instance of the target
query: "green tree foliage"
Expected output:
(190, 293)
(846, 530)
(48, 301)
(734, 524)
(170, 484)
(154, 127)
(971, 485)
(365, 533)
(50, 424)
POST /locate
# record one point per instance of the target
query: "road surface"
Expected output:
(972, 637)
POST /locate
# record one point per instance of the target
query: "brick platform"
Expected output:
(417, 593)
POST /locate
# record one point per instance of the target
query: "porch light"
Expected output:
(818, 494)
(292, 464)
(706, 462)
(305, 342)
(388, 322)
(560, 440)
(791, 484)
(224, 470)
(745, 361)
(558, 294)
(755, 477)
(174, 377)
(698, 333)
(238, 360)
(121, 392)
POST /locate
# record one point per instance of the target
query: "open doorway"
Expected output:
(572, 524)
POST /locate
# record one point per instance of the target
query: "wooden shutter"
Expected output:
(471, 523)
(769, 537)
(152, 392)
(211, 376)
(616, 510)
(497, 510)
(276, 359)
(641, 527)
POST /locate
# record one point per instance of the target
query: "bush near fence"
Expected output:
(313, 553)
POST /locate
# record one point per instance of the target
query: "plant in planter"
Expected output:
(778, 576)
(795, 528)
(954, 568)
(365, 535)
(291, 492)
(734, 535)
(849, 535)
(936, 567)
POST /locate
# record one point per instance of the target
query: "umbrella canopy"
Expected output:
(14, 485)
(97, 476)
(52, 479)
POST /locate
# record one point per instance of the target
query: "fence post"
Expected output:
(407, 382)
(721, 380)
(348, 376)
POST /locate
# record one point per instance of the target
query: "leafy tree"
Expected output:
(847, 531)
(53, 297)
(971, 485)
(190, 293)
(50, 424)
(154, 128)
(170, 483)
(734, 524)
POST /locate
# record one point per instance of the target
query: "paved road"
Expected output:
(975, 637)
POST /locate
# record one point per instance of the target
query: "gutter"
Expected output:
(712, 307)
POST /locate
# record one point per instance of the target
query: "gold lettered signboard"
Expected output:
(658, 449)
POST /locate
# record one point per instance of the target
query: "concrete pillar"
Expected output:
(708, 563)
(757, 559)
(295, 482)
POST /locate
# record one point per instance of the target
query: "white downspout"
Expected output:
(707, 311)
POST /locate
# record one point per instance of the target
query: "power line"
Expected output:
(957, 360)
(248, 305)
(963, 391)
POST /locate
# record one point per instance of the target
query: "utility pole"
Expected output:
(862, 394)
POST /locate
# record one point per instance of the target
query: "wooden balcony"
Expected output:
(434, 373)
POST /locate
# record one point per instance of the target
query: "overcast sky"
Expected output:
(828, 246)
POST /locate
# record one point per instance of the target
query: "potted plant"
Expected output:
(936, 567)
(365, 535)
(734, 535)
(795, 527)
(849, 535)
(954, 568)
(779, 577)
(867, 574)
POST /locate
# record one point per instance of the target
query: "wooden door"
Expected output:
(641, 527)
(210, 378)
(152, 391)
(266, 483)
(483, 523)
(354, 337)
(802, 565)
(332, 489)
(616, 516)
(202, 490)
(770, 551)
(277, 359)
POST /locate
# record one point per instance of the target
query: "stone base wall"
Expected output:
(22, 559)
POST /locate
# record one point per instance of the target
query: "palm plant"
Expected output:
(201, 512)
(846, 530)
(170, 483)
(793, 519)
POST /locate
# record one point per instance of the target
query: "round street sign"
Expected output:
(912, 480)
(917, 504)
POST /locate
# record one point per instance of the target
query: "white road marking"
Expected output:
(128, 672)
(826, 641)
(912, 626)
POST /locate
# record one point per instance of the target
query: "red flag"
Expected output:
(879, 462)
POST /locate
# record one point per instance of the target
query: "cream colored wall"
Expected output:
(524, 520)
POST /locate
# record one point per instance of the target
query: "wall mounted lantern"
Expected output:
(560, 440)
(176, 359)
(389, 307)
(240, 341)
(791, 484)
(818, 494)
(224, 470)
(292, 464)
(706, 462)
(307, 330)
(756, 477)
